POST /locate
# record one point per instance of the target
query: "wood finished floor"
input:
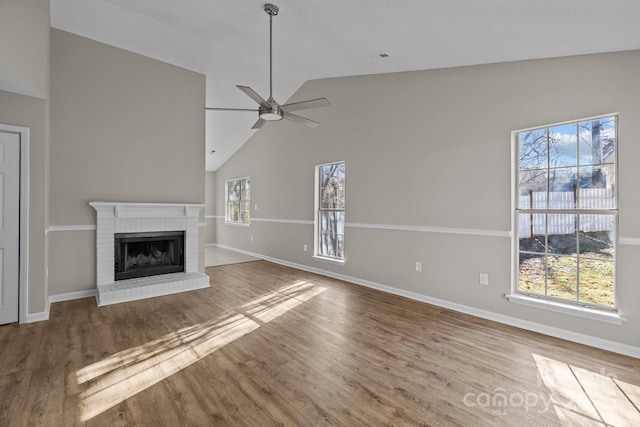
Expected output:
(215, 256)
(270, 345)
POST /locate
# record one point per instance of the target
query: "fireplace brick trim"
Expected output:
(124, 217)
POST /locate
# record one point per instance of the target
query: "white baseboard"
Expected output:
(589, 340)
(38, 317)
(72, 295)
(44, 315)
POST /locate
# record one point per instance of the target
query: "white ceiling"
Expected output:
(228, 41)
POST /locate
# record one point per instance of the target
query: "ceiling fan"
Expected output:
(270, 110)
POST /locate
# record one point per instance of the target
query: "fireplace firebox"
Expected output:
(148, 254)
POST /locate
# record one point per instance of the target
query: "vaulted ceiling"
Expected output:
(228, 40)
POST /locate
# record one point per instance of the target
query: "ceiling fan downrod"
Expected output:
(271, 10)
(269, 110)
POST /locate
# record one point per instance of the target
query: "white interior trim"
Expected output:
(72, 295)
(394, 227)
(428, 229)
(629, 241)
(283, 221)
(53, 228)
(25, 153)
(42, 316)
(23, 281)
(564, 334)
(418, 228)
(38, 317)
(238, 224)
(334, 261)
(573, 310)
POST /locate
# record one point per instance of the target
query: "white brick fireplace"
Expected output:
(114, 218)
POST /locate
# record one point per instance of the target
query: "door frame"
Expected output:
(23, 279)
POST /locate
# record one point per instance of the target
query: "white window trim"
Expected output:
(226, 204)
(316, 192)
(543, 302)
(335, 261)
(600, 314)
(238, 224)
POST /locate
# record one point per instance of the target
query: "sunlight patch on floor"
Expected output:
(584, 398)
(108, 382)
(274, 304)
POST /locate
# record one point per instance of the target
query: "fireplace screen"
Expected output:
(148, 254)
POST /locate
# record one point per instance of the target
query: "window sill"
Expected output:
(588, 313)
(333, 261)
(238, 224)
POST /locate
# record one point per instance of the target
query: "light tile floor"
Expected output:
(214, 256)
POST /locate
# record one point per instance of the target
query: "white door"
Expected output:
(9, 226)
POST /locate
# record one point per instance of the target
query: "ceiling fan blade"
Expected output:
(253, 95)
(258, 124)
(230, 109)
(303, 105)
(299, 120)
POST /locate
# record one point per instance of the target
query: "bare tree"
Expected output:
(537, 152)
(331, 209)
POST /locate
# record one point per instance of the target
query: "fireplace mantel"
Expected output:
(146, 210)
(125, 217)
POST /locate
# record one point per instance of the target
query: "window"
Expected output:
(330, 211)
(238, 201)
(566, 212)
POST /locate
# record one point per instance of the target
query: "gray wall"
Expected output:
(433, 149)
(124, 128)
(210, 207)
(24, 45)
(24, 65)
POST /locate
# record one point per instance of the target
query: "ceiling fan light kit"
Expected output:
(270, 110)
(270, 113)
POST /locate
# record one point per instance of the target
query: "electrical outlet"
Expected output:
(418, 267)
(305, 248)
(484, 279)
(255, 207)
(251, 238)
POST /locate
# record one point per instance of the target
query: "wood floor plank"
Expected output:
(268, 345)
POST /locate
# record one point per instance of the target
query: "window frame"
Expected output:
(227, 211)
(318, 209)
(578, 307)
